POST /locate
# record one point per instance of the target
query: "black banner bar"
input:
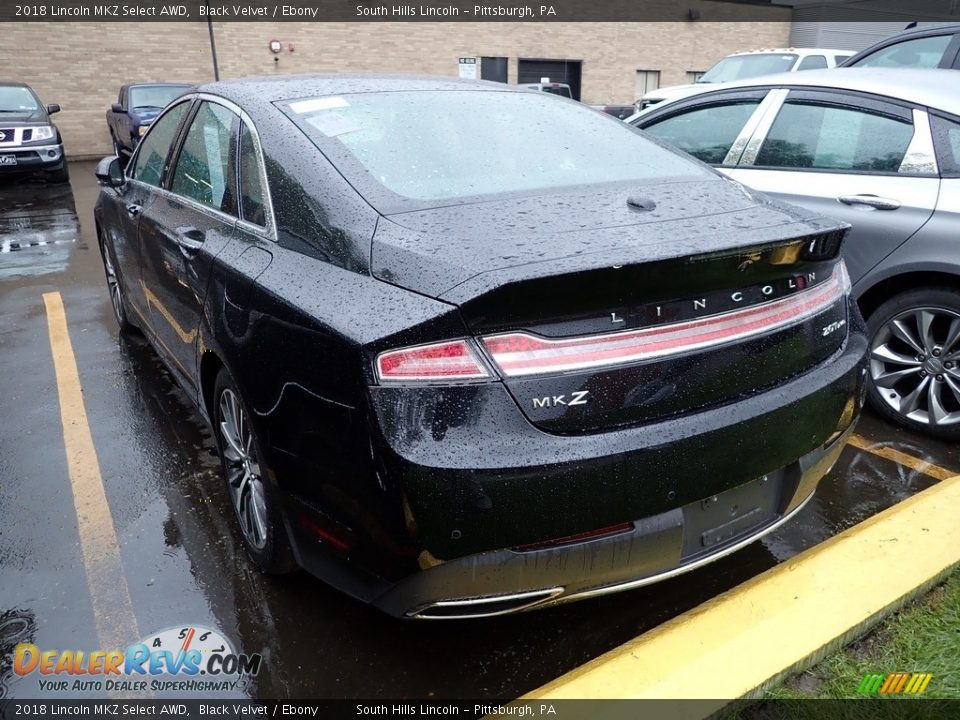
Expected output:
(879, 708)
(475, 11)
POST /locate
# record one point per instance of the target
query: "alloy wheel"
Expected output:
(113, 284)
(914, 360)
(243, 470)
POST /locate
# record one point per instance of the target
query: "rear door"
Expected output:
(866, 161)
(188, 225)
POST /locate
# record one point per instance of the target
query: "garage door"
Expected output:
(561, 71)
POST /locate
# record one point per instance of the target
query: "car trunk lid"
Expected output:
(613, 308)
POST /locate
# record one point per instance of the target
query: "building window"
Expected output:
(647, 81)
(694, 75)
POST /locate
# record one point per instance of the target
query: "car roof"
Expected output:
(793, 51)
(896, 38)
(158, 84)
(14, 83)
(271, 88)
(932, 88)
(919, 30)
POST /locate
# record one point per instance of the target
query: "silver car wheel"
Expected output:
(914, 365)
(243, 470)
(113, 284)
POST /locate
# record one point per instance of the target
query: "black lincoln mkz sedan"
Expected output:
(469, 349)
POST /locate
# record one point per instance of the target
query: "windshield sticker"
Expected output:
(325, 103)
(333, 124)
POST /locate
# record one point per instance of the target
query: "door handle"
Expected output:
(190, 239)
(134, 209)
(874, 201)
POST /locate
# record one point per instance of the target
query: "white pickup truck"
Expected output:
(744, 65)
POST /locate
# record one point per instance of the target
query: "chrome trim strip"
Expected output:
(823, 295)
(777, 98)
(748, 130)
(920, 158)
(7, 149)
(649, 580)
(537, 597)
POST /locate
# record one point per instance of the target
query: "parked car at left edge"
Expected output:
(29, 142)
(136, 107)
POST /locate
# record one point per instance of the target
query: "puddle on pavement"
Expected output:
(39, 228)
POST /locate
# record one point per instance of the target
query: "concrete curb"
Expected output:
(786, 619)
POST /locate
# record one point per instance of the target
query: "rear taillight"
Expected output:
(520, 353)
(453, 360)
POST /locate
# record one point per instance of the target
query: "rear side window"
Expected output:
(813, 62)
(832, 138)
(252, 207)
(203, 170)
(946, 139)
(919, 53)
(707, 132)
(154, 148)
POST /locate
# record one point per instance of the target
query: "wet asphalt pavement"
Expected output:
(182, 557)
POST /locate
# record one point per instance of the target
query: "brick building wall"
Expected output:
(82, 65)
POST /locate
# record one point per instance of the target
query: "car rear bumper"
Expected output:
(756, 461)
(29, 158)
(654, 549)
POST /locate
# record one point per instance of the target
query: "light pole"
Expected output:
(213, 43)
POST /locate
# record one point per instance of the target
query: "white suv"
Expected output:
(744, 65)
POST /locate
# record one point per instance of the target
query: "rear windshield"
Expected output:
(741, 67)
(443, 145)
(154, 96)
(554, 90)
(14, 98)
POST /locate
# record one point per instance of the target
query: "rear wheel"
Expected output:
(113, 285)
(254, 500)
(914, 358)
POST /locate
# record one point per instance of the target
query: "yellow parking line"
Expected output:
(112, 608)
(901, 458)
(785, 619)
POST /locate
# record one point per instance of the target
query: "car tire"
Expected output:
(915, 361)
(117, 299)
(58, 177)
(255, 501)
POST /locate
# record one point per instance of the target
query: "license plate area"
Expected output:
(722, 519)
(8, 159)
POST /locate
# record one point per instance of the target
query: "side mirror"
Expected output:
(53, 108)
(109, 172)
(117, 108)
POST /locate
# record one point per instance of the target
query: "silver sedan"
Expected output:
(880, 149)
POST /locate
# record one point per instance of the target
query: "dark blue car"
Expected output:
(136, 107)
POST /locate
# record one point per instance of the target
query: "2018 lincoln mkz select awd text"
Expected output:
(468, 349)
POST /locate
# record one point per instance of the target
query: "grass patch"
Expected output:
(923, 637)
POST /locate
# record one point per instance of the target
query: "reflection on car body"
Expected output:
(370, 284)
